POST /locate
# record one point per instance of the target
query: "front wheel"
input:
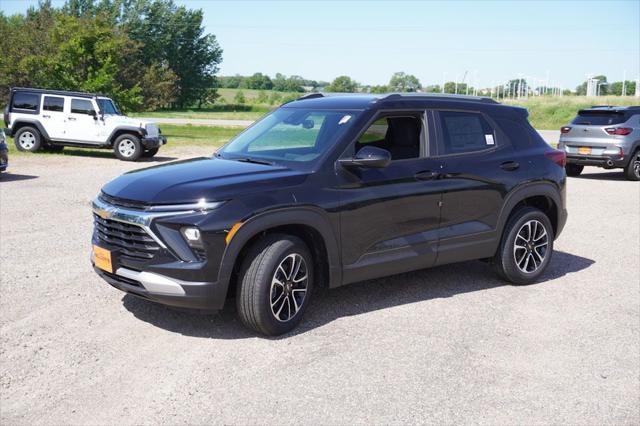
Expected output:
(275, 284)
(526, 247)
(632, 171)
(127, 147)
(574, 169)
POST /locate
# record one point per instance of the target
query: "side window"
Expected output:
(82, 106)
(26, 101)
(53, 103)
(464, 132)
(401, 136)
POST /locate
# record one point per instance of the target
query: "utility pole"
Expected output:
(444, 81)
(624, 82)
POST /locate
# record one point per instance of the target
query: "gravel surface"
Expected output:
(447, 345)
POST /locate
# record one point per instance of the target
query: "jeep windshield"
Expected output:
(107, 107)
(291, 136)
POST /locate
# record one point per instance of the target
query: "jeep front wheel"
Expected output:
(127, 147)
(28, 139)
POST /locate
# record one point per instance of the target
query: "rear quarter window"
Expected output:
(26, 101)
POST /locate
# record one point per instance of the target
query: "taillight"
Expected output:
(565, 129)
(618, 130)
(558, 157)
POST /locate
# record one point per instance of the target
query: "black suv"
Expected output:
(329, 190)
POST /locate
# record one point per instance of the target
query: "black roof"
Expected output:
(368, 100)
(55, 92)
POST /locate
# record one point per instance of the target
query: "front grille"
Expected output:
(132, 241)
(121, 202)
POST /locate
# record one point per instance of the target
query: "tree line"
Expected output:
(146, 54)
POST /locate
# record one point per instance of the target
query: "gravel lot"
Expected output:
(447, 345)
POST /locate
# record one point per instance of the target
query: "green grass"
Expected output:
(177, 135)
(546, 113)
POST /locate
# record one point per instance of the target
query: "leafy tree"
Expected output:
(379, 89)
(615, 88)
(258, 81)
(401, 82)
(433, 89)
(158, 86)
(239, 97)
(343, 84)
(262, 98)
(231, 82)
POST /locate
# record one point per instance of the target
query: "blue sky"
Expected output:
(369, 40)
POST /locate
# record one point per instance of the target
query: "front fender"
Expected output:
(312, 217)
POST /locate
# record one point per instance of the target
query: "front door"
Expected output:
(389, 216)
(83, 124)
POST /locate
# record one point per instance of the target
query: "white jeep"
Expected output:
(51, 119)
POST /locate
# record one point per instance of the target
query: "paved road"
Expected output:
(447, 345)
(551, 136)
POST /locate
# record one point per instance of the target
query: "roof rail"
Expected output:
(310, 96)
(437, 95)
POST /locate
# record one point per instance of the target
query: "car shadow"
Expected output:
(12, 177)
(603, 176)
(354, 299)
(110, 154)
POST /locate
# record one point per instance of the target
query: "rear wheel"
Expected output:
(573, 169)
(526, 247)
(28, 139)
(150, 152)
(632, 171)
(127, 147)
(275, 284)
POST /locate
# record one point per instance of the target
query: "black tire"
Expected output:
(150, 152)
(574, 169)
(28, 139)
(127, 147)
(506, 261)
(262, 308)
(632, 171)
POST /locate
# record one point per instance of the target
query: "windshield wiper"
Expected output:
(253, 160)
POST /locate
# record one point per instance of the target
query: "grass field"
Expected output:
(545, 113)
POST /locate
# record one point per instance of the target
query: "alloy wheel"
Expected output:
(27, 140)
(288, 287)
(127, 148)
(530, 246)
(636, 165)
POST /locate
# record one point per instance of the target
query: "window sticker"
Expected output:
(489, 139)
(344, 119)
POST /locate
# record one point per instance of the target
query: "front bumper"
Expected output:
(154, 141)
(158, 288)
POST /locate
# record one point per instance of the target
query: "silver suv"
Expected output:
(603, 136)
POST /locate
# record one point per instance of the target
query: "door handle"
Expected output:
(509, 165)
(426, 175)
(71, 118)
(46, 116)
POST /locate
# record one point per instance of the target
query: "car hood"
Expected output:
(123, 120)
(188, 181)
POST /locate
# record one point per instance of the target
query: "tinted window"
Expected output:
(398, 135)
(107, 107)
(82, 106)
(598, 118)
(464, 132)
(28, 101)
(51, 103)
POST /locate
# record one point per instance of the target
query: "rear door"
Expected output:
(83, 125)
(478, 165)
(54, 118)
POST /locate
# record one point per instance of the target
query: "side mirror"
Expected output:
(93, 114)
(368, 157)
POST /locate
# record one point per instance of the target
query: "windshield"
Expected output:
(289, 135)
(108, 107)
